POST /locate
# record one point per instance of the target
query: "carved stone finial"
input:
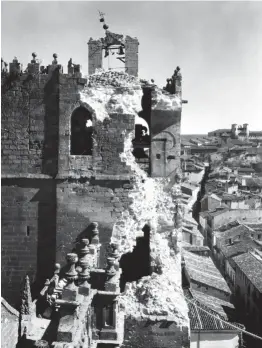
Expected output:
(94, 233)
(41, 344)
(15, 60)
(55, 59)
(71, 274)
(110, 269)
(34, 55)
(84, 261)
(70, 63)
(26, 301)
(113, 250)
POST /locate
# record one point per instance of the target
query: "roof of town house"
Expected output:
(211, 195)
(233, 232)
(218, 211)
(256, 226)
(255, 133)
(196, 248)
(203, 318)
(239, 247)
(251, 266)
(201, 269)
(254, 182)
(253, 150)
(245, 170)
(204, 214)
(220, 130)
(189, 186)
(216, 304)
(231, 197)
(205, 147)
(229, 225)
(185, 143)
(239, 142)
(189, 219)
(193, 231)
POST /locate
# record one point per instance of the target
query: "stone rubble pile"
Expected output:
(112, 78)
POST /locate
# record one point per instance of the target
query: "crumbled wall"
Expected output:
(107, 187)
(9, 325)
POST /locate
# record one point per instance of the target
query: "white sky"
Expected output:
(218, 46)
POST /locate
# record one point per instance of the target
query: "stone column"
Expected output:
(84, 262)
(131, 56)
(70, 290)
(95, 60)
(113, 271)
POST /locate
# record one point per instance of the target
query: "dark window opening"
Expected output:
(136, 265)
(165, 324)
(27, 231)
(108, 320)
(141, 142)
(158, 156)
(81, 132)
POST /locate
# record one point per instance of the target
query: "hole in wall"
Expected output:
(136, 265)
(27, 231)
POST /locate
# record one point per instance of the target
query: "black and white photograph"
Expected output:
(131, 174)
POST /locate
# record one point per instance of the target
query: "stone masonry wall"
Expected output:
(131, 55)
(79, 204)
(29, 124)
(28, 233)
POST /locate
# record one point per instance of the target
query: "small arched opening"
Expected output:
(136, 265)
(141, 143)
(81, 132)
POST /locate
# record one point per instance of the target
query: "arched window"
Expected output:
(81, 132)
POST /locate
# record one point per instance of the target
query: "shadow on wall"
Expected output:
(72, 226)
(51, 125)
(31, 225)
(136, 265)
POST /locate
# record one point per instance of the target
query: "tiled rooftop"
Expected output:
(251, 266)
(232, 232)
(238, 248)
(203, 318)
(202, 269)
(214, 303)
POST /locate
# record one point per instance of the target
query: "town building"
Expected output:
(208, 329)
(248, 287)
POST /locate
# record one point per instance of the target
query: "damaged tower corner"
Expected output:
(92, 179)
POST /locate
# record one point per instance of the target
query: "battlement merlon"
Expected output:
(95, 59)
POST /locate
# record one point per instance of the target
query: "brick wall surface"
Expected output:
(28, 233)
(79, 204)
